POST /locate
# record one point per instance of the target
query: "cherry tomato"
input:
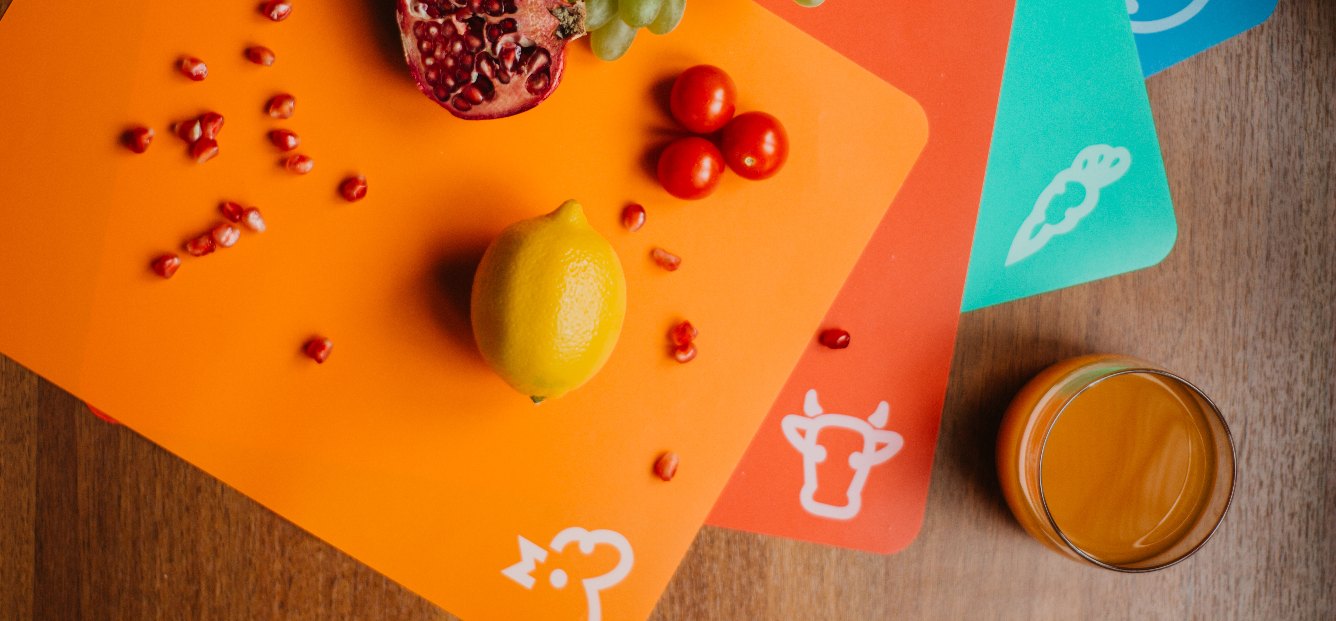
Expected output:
(690, 168)
(703, 99)
(755, 145)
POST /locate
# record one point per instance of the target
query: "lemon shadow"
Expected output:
(449, 286)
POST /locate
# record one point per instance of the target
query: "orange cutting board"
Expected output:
(901, 302)
(404, 450)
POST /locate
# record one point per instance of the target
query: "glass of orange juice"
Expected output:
(1110, 460)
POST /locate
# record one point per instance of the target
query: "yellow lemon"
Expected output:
(548, 302)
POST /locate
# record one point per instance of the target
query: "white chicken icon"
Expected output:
(531, 554)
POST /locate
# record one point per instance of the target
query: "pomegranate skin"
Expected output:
(496, 60)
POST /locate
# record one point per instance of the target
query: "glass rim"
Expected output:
(1233, 468)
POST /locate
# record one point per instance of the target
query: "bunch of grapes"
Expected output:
(614, 23)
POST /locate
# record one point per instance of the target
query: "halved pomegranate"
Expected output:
(487, 59)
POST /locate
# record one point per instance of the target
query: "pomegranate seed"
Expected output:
(666, 466)
(353, 189)
(225, 235)
(276, 10)
(166, 265)
(285, 140)
(683, 334)
(684, 353)
(102, 415)
(193, 68)
(665, 259)
(835, 338)
(281, 106)
(318, 349)
(201, 245)
(138, 139)
(189, 131)
(633, 217)
(253, 220)
(232, 211)
(204, 150)
(260, 55)
(211, 124)
(298, 164)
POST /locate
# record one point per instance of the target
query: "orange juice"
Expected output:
(1110, 460)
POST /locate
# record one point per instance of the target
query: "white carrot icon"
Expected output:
(1095, 168)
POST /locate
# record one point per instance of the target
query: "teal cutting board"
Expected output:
(1075, 188)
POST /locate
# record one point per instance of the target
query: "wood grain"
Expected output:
(97, 523)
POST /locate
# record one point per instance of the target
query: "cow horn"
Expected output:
(810, 406)
(881, 416)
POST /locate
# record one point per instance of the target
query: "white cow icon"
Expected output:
(879, 445)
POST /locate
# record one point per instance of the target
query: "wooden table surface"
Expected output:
(97, 523)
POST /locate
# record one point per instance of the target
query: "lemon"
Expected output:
(548, 302)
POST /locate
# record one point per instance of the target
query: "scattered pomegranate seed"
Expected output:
(684, 353)
(281, 106)
(232, 211)
(298, 164)
(226, 235)
(166, 265)
(276, 10)
(353, 189)
(665, 259)
(835, 338)
(211, 124)
(189, 131)
(666, 466)
(683, 334)
(102, 415)
(204, 150)
(201, 245)
(285, 140)
(260, 55)
(633, 217)
(138, 139)
(318, 349)
(253, 220)
(193, 68)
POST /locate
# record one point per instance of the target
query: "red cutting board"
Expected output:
(404, 450)
(902, 301)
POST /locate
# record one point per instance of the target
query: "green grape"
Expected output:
(598, 12)
(639, 13)
(809, 2)
(669, 16)
(612, 40)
